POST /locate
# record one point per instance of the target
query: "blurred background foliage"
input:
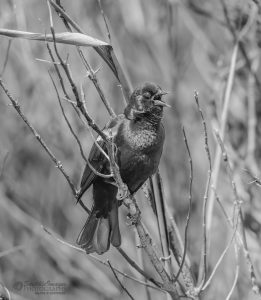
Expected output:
(181, 45)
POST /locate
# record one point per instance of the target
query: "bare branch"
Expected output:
(137, 268)
(122, 286)
(218, 154)
(190, 205)
(236, 276)
(6, 58)
(161, 216)
(203, 262)
(105, 21)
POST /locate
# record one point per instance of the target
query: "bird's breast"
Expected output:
(139, 154)
(142, 139)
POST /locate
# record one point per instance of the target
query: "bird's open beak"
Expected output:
(160, 102)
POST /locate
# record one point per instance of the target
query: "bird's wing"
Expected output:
(97, 158)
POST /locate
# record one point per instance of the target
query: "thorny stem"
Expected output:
(79, 102)
(106, 53)
(91, 74)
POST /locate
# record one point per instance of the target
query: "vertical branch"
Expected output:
(252, 121)
(105, 21)
(203, 262)
(190, 204)
(217, 160)
(140, 259)
(161, 216)
(146, 242)
(236, 276)
(6, 58)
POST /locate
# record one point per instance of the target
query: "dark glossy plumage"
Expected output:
(139, 137)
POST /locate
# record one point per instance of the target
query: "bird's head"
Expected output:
(146, 101)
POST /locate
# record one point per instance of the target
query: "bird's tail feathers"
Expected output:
(98, 233)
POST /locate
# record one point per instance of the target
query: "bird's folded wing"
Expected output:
(97, 158)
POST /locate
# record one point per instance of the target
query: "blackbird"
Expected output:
(139, 137)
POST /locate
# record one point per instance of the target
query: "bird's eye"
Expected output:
(147, 95)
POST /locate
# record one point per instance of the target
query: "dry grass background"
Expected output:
(167, 42)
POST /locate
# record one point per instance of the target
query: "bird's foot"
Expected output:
(123, 192)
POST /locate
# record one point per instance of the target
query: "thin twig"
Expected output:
(190, 205)
(92, 76)
(236, 276)
(252, 121)
(105, 21)
(161, 216)
(62, 82)
(12, 250)
(115, 275)
(223, 123)
(255, 179)
(203, 262)
(6, 57)
(177, 248)
(220, 259)
(137, 268)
